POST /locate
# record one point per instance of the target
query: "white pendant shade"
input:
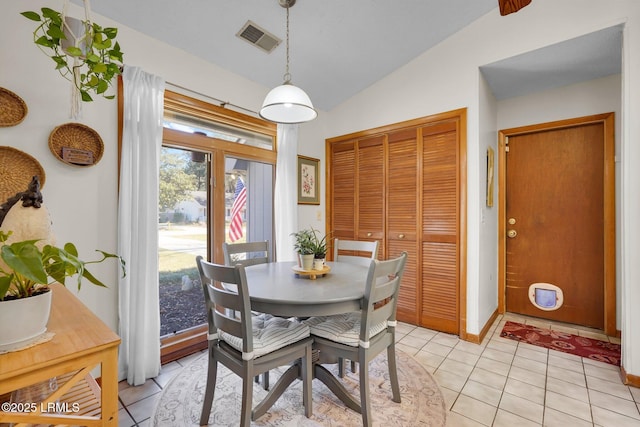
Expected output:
(287, 104)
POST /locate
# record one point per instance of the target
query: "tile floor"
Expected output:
(499, 383)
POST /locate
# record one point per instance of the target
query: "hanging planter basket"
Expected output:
(84, 53)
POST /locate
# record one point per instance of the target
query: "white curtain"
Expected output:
(138, 225)
(285, 197)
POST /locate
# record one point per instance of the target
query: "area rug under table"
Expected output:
(422, 402)
(601, 351)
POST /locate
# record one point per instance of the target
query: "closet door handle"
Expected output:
(369, 234)
(400, 236)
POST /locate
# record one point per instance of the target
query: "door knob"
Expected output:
(511, 233)
(400, 236)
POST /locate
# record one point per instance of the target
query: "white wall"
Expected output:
(446, 77)
(486, 293)
(311, 144)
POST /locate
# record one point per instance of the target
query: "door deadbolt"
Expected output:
(512, 233)
(512, 221)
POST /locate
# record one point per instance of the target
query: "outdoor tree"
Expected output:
(199, 171)
(176, 184)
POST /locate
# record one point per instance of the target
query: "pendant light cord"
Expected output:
(287, 76)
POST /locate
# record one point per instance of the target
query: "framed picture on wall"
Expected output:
(308, 181)
(490, 173)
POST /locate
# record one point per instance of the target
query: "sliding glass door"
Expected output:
(183, 230)
(216, 185)
(249, 195)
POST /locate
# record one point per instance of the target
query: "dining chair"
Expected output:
(362, 335)
(354, 249)
(246, 254)
(351, 251)
(248, 346)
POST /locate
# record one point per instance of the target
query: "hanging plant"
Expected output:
(90, 60)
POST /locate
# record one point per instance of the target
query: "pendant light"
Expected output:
(287, 103)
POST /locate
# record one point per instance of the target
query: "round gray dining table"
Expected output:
(276, 289)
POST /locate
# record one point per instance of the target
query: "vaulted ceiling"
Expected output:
(339, 48)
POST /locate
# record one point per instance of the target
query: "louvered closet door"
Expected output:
(440, 206)
(371, 189)
(402, 209)
(343, 194)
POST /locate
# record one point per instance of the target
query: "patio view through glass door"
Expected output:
(183, 225)
(182, 235)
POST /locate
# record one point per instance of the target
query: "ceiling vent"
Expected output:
(258, 37)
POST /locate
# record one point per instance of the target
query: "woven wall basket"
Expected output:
(13, 109)
(76, 144)
(16, 170)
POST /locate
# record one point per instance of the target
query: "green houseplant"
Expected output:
(309, 245)
(26, 271)
(319, 245)
(304, 246)
(90, 61)
(30, 270)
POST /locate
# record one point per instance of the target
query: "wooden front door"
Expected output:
(557, 220)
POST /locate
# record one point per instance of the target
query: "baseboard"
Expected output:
(628, 379)
(477, 339)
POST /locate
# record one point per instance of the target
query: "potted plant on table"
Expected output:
(304, 246)
(311, 249)
(319, 250)
(26, 271)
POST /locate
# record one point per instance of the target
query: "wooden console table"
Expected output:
(81, 343)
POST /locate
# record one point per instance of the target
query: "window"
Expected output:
(210, 155)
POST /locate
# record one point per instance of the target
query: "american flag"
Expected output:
(240, 199)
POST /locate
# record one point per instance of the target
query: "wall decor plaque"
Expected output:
(82, 145)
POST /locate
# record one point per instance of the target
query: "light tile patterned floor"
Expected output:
(499, 383)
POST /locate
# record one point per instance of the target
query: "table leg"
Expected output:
(276, 391)
(327, 378)
(109, 387)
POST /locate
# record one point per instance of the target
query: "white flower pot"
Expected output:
(76, 32)
(23, 320)
(306, 262)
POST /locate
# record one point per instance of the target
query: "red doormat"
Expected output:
(600, 351)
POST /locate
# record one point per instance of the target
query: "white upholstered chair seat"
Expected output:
(269, 334)
(342, 328)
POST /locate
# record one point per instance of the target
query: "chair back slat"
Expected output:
(217, 299)
(226, 299)
(246, 254)
(228, 323)
(359, 252)
(381, 293)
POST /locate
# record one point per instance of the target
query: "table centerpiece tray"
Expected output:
(311, 274)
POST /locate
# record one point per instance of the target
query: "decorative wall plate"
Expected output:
(76, 144)
(13, 109)
(16, 170)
